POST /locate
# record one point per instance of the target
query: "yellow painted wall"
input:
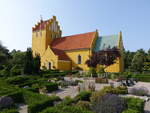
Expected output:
(73, 55)
(64, 65)
(49, 56)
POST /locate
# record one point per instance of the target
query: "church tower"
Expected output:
(43, 34)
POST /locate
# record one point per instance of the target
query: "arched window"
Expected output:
(49, 65)
(79, 59)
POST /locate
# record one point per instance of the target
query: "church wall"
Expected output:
(73, 55)
(49, 57)
(38, 42)
(64, 65)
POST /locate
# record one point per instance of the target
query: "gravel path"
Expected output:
(23, 108)
(147, 107)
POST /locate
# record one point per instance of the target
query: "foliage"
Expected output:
(37, 102)
(92, 72)
(65, 109)
(137, 61)
(4, 55)
(9, 111)
(84, 95)
(109, 103)
(100, 70)
(130, 111)
(104, 57)
(83, 104)
(117, 90)
(31, 64)
(135, 104)
(51, 86)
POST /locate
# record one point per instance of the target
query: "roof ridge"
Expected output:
(79, 34)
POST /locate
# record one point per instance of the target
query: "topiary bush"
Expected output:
(83, 104)
(135, 104)
(84, 95)
(65, 109)
(51, 86)
(130, 111)
(117, 90)
(109, 103)
(9, 111)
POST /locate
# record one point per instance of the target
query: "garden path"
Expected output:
(23, 108)
(147, 107)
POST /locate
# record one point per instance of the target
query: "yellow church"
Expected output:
(71, 52)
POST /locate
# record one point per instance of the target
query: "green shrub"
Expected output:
(117, 90)
(130, 111)
(17, 80)
(38, 102)
(16, 70)
(135, 104)
(16, 96)
(67, 101)
(65, 109)
(84, 95)
(51, 86)
(9, 111)
(83, 104)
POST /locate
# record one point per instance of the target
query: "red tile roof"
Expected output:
(61, 54)
(78, 41)
(40, 25)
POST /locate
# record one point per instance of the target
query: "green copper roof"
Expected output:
(104, 42)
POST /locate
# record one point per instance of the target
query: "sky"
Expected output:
(132, 17)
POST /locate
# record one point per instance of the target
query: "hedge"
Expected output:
(65, 109)
(130, 111)
(39, 106)
(135, 104)
(117, 90)
(84, 95)
(16, 96)
(9, 111)
(51, 86)
(38, 102)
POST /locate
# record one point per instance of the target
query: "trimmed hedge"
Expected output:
(117, 90)
(38, 102)
(9, 111)
(16, 96)
(51, 86)
(130, 111)
(134, 105)
(84, 95)
(66, 109)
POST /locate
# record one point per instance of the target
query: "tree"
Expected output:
(128, 56)
(138, 61)
(28, 62)
(4, 55)
(31, 64)
(104, 57)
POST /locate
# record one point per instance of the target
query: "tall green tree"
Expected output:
(138, 61)
(4, 55)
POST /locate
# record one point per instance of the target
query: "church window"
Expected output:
(79, 59)
(36, 34)
(41, 33)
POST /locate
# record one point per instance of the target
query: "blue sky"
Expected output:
(132, 17)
